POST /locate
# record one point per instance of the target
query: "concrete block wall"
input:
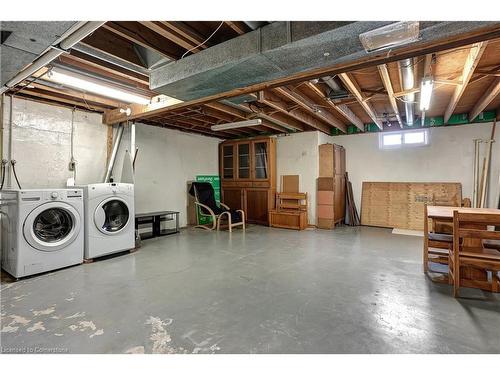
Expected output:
(41, 144)
(167, 158)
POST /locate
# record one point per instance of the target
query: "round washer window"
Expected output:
(116, 215)
(53, 225)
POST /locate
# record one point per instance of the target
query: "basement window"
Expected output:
(400, 139)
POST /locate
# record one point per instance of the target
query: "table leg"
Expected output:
(156, 226)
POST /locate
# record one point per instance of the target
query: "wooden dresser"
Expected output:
(248, 176)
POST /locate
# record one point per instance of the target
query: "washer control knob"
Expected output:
(54, 195)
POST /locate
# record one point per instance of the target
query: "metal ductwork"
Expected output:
(279, 50)
(74, 34)
(408, 82)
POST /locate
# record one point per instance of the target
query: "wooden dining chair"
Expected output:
(474, 253)
(437, 246)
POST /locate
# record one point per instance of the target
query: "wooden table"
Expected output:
(155, 219)
(445, 213)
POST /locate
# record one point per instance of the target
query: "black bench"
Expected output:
(155, 219)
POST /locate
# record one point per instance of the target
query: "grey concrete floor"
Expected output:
(352, 290)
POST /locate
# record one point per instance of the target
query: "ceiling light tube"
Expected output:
(80, 82)
(238, 124)
(426, 88)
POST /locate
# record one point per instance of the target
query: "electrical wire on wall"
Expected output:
(13, 163)
(4, 169)
(72, 162)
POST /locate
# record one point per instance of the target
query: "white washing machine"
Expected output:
(42, 230)
(109, 218)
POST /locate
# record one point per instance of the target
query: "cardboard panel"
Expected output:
(324, 197)
(324, 211)
(326, 183)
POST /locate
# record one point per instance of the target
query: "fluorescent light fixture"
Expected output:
(235, 125)
(389, 36)
(426, 88)
(80, 82)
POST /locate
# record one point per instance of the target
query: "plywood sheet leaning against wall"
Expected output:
(401, 204)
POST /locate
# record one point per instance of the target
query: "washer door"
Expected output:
(52, 226)
(111, 215)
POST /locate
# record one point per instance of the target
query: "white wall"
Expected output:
(41, 141)
(166, 160)
(298, 154)
(448, 158)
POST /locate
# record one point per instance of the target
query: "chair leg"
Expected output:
(456, 279)
(230, 226)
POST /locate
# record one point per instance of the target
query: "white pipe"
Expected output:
(52, 53)
(116, 145)
(132, 141)
(406, 67)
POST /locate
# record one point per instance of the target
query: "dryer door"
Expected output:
(112, 215)
(52, 226)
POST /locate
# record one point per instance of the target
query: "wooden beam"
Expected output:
(429, 60)
(95, 65)
(282, 120)
(187, 33)
(308, 105)
(79, 95)
(108, 42)
(239, 27)
(369, 60)
(386, 80)
(133, 32)
(491, 93)
(343, 109)
(227, 109)
(470, 64)
(62, 99)
(163, 30)
(353, 87)
(272, 100)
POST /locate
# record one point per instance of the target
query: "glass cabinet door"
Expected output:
(228, 162)
(244, 160)
(260, 160)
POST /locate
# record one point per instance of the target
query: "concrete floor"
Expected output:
(352, 290)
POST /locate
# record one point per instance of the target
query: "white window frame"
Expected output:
(402, 133)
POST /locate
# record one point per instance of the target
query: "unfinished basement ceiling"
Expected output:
(362, 99)
(23, 42)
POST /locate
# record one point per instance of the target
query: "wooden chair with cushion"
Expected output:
(474, 252)
(204, 194)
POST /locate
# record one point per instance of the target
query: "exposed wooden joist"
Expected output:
(107, 42)
(133, 32)
(239, 27)
(311, 107)
(284, 121)
(351, 84)
(470, 64)
(369, 60)
(386, 80)
(429, 59)
(343, 109)
(79, 95)
(491, 93)
(272, 100)
(227, 109)
(62, 99)
(163, 30)
(95, 65)
(187, 33)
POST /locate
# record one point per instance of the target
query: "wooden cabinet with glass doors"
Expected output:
(248, 176)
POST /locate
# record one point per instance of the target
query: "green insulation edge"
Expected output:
(457, 119)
